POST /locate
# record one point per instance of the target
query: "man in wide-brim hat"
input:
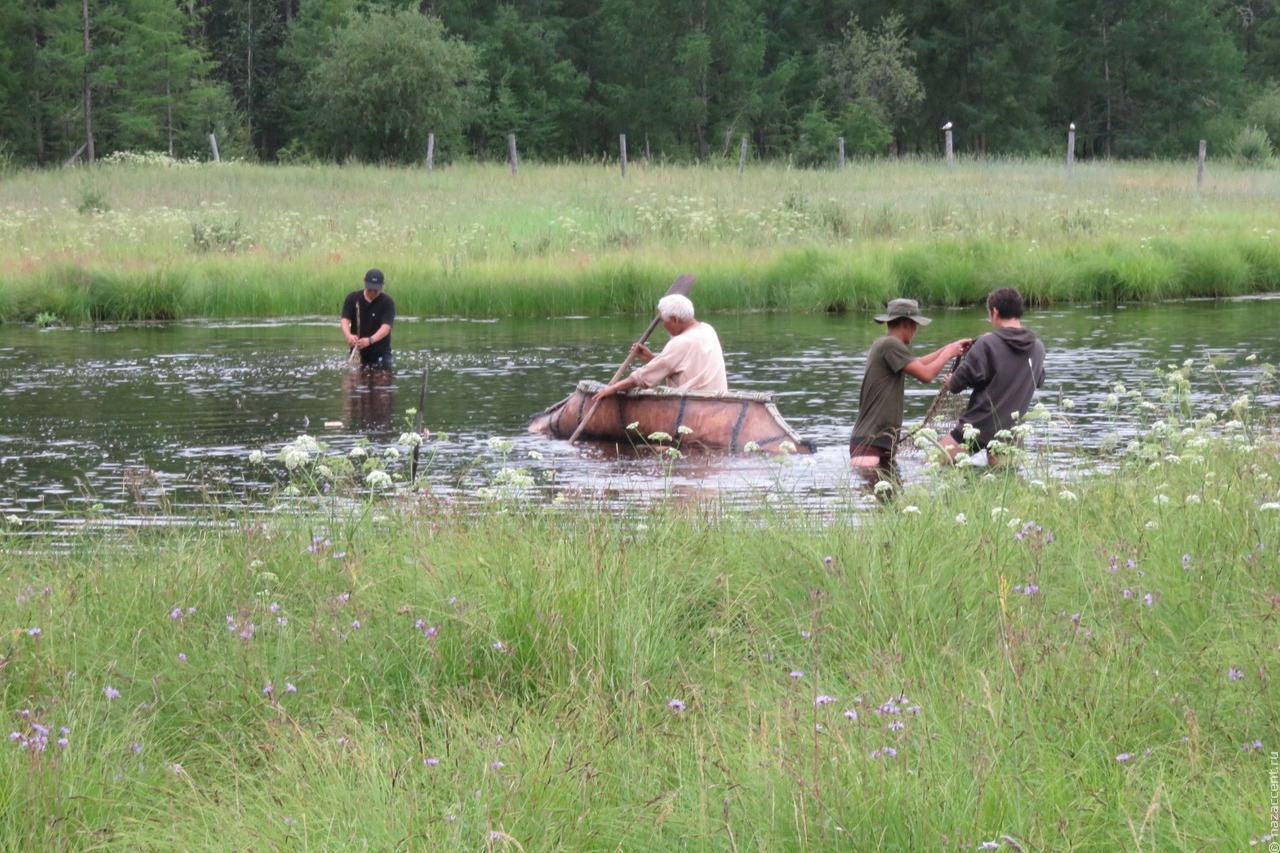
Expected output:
(881, 398)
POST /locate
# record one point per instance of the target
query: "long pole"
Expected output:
(417, 424)
(682, 285)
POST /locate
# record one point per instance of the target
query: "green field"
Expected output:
(985, 658)
(988, 657)
(149, 241)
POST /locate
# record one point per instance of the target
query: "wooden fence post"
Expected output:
(511, 152)
(213, 146)
(951, 157)
(431, 151)
(1071, 148)
(1200, 166)
(622, 150)
(742, 157)
(842, 152)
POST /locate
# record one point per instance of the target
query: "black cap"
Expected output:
(373, 280)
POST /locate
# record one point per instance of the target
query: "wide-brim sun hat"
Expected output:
(907, 309)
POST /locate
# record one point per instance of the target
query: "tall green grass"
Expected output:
(240, 240)
(987, 656)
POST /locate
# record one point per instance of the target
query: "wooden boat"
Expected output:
(716, 420)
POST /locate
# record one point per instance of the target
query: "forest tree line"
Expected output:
(336, 80)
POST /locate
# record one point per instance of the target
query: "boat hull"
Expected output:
(733, 421)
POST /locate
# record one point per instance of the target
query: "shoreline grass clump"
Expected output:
(228, 240)
(989, 660)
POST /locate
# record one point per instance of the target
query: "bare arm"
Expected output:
(609, 390)
(927, 368)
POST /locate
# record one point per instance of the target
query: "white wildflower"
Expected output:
(410, 439)
(378, 480)
(961, 518)
(685, 430)
(1067, 495)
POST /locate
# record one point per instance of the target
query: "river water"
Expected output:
(141, 421)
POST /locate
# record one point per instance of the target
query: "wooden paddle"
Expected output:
(682, 285)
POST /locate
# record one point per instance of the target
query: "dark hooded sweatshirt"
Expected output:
(1004, 368)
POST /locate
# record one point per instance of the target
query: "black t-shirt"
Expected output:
(366, 318)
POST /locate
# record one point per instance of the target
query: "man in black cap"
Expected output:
(883, 391)
(367, 316)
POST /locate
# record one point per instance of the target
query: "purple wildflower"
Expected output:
(824, 699)
(989, 845)
(175, 613)
(851, 715)
(289, 688)
(1128, 593)
(897, 726)
(110, 692)
(890, 751)
(1235, 674)
(676, 705)
(34, 632)
(269, 689)
(1149, 599)
(795, 673)
(182, 656)
(137, 749)
(1032, 589)
(431, 762)
(1186, 562)
(497, 765)
(1124, 756)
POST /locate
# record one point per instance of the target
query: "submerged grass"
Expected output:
(988, 658)
(241, 240)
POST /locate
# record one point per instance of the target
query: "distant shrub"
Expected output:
(219, 233)
(92, 200)
(1264, 112)
(1251, 147)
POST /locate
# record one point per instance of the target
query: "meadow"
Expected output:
(990, 659)
(142, 238)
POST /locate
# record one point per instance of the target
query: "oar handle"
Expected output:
(591, 410)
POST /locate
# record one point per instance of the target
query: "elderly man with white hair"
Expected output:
(692, 360)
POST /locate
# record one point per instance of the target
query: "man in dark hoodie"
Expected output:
(1003, 368)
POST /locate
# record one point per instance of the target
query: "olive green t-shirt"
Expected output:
(883, 390)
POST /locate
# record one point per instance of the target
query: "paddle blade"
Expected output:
(682, 285)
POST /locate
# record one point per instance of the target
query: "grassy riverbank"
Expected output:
(148, 241)
(988, 657)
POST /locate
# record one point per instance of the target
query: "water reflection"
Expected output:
(83, 411)
(368, 395)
